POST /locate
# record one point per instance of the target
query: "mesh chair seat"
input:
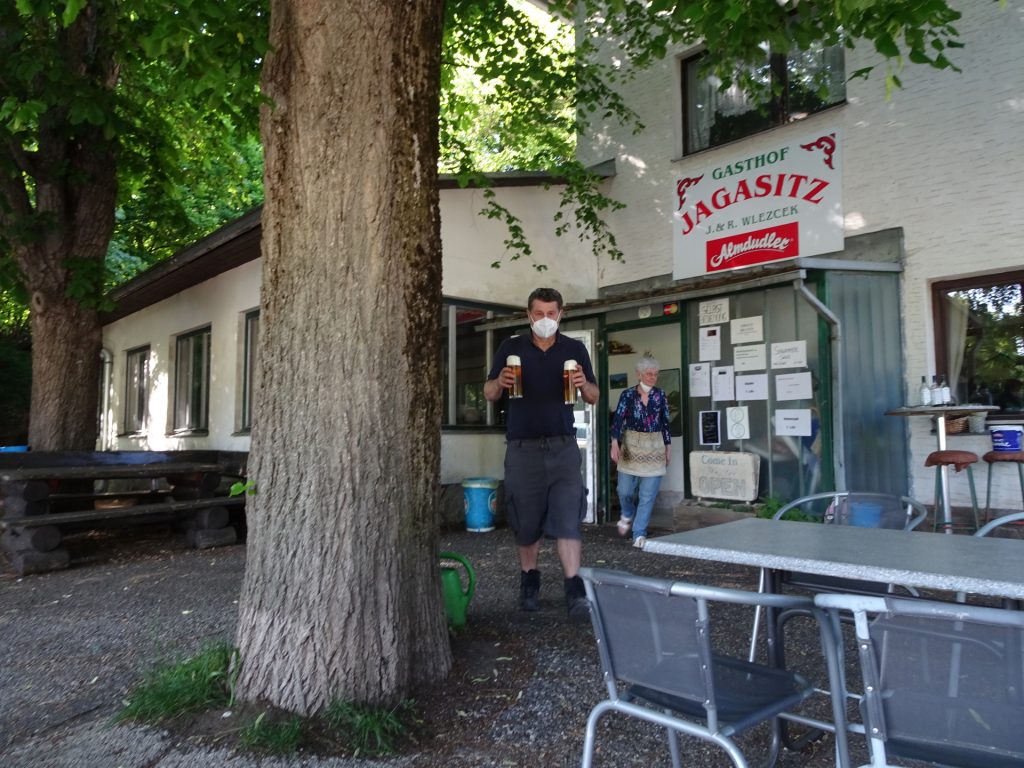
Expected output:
(741, 689)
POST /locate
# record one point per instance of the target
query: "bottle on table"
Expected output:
(925, 393)
(944, 393)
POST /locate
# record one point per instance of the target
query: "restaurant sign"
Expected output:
(779, 204)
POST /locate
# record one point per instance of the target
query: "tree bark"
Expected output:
(341, 597)
(57, 210)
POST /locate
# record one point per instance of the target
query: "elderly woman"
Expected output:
(642, 447)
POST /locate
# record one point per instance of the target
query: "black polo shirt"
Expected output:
(541, 411)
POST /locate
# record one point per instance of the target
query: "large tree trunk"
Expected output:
(66, 340)
(341, 598)
(57, 213)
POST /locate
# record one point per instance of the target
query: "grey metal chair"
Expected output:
(655, 637)
(942, 682)
(865, 509)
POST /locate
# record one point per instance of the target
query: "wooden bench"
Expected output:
(46, 495)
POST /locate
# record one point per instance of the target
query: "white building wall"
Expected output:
(942, 159)
(218, 303)
(471, 243)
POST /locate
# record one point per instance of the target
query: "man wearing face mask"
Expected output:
(543, 485)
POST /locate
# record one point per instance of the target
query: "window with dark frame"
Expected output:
(472, 361)
(252, 330)
(192, 381)
(136, 394)
(807, 82)
(979, 338)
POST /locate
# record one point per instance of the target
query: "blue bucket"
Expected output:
(864, 514)
(481, 499)
(1006, 437)
(13, 448)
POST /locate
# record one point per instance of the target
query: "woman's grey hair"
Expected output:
(647, 363)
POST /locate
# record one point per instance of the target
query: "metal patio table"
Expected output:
(983, 566)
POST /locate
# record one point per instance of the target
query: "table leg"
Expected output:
(947, 513)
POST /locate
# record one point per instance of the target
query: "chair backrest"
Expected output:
(647, 636)
(943, 682)
(860, 508)
(656, 634)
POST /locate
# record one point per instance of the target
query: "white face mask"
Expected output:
(545, 327)
(644, 388)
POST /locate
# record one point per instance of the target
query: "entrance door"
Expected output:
(583, 418)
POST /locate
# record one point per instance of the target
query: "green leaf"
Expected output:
(71, 10)
(887, 47)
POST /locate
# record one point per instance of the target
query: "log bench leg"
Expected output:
(209, 528)
(35, 550)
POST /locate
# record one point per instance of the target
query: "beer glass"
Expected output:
(513, 362)
(568, 387)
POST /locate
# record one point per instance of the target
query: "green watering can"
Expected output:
(456, 599)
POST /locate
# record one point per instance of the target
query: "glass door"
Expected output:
(585, 432)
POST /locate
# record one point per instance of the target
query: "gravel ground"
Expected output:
(73, 643)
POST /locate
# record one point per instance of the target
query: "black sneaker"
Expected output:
(576, 600)
(529, 590)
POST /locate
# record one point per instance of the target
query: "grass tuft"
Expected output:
(202, 682)
(279, 738)
(370, 731)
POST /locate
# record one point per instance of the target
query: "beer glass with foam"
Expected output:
(568, 387)
(513, 362)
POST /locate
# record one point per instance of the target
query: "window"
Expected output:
(466, 359)
(136, 394)
(192, 381)
(808, 82)
(252, 332)
(979, 335)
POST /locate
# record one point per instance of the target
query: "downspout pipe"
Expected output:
(107, 366)
(835, 338)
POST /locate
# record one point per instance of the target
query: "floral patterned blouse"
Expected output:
(634, 415)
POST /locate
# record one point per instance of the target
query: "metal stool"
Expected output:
(959, 460)
(995, 457)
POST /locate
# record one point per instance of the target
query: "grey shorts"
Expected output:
(544, 491)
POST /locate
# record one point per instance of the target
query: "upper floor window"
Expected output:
(252, 332)
(805, 82)
(979, 336)
(136, 395)
(192, 381)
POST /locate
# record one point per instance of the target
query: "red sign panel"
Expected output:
(764, 245)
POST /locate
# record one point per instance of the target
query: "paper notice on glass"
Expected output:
(722, 383)
(744, 330)
(710, 434)
(737, 423)
(700, 380)
(795, 422)
(789, 354)
(752, 386)
(710, 343)
(793, 386)
(714, 312)
(749, 358)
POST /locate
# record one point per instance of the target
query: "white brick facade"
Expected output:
(942, 160)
